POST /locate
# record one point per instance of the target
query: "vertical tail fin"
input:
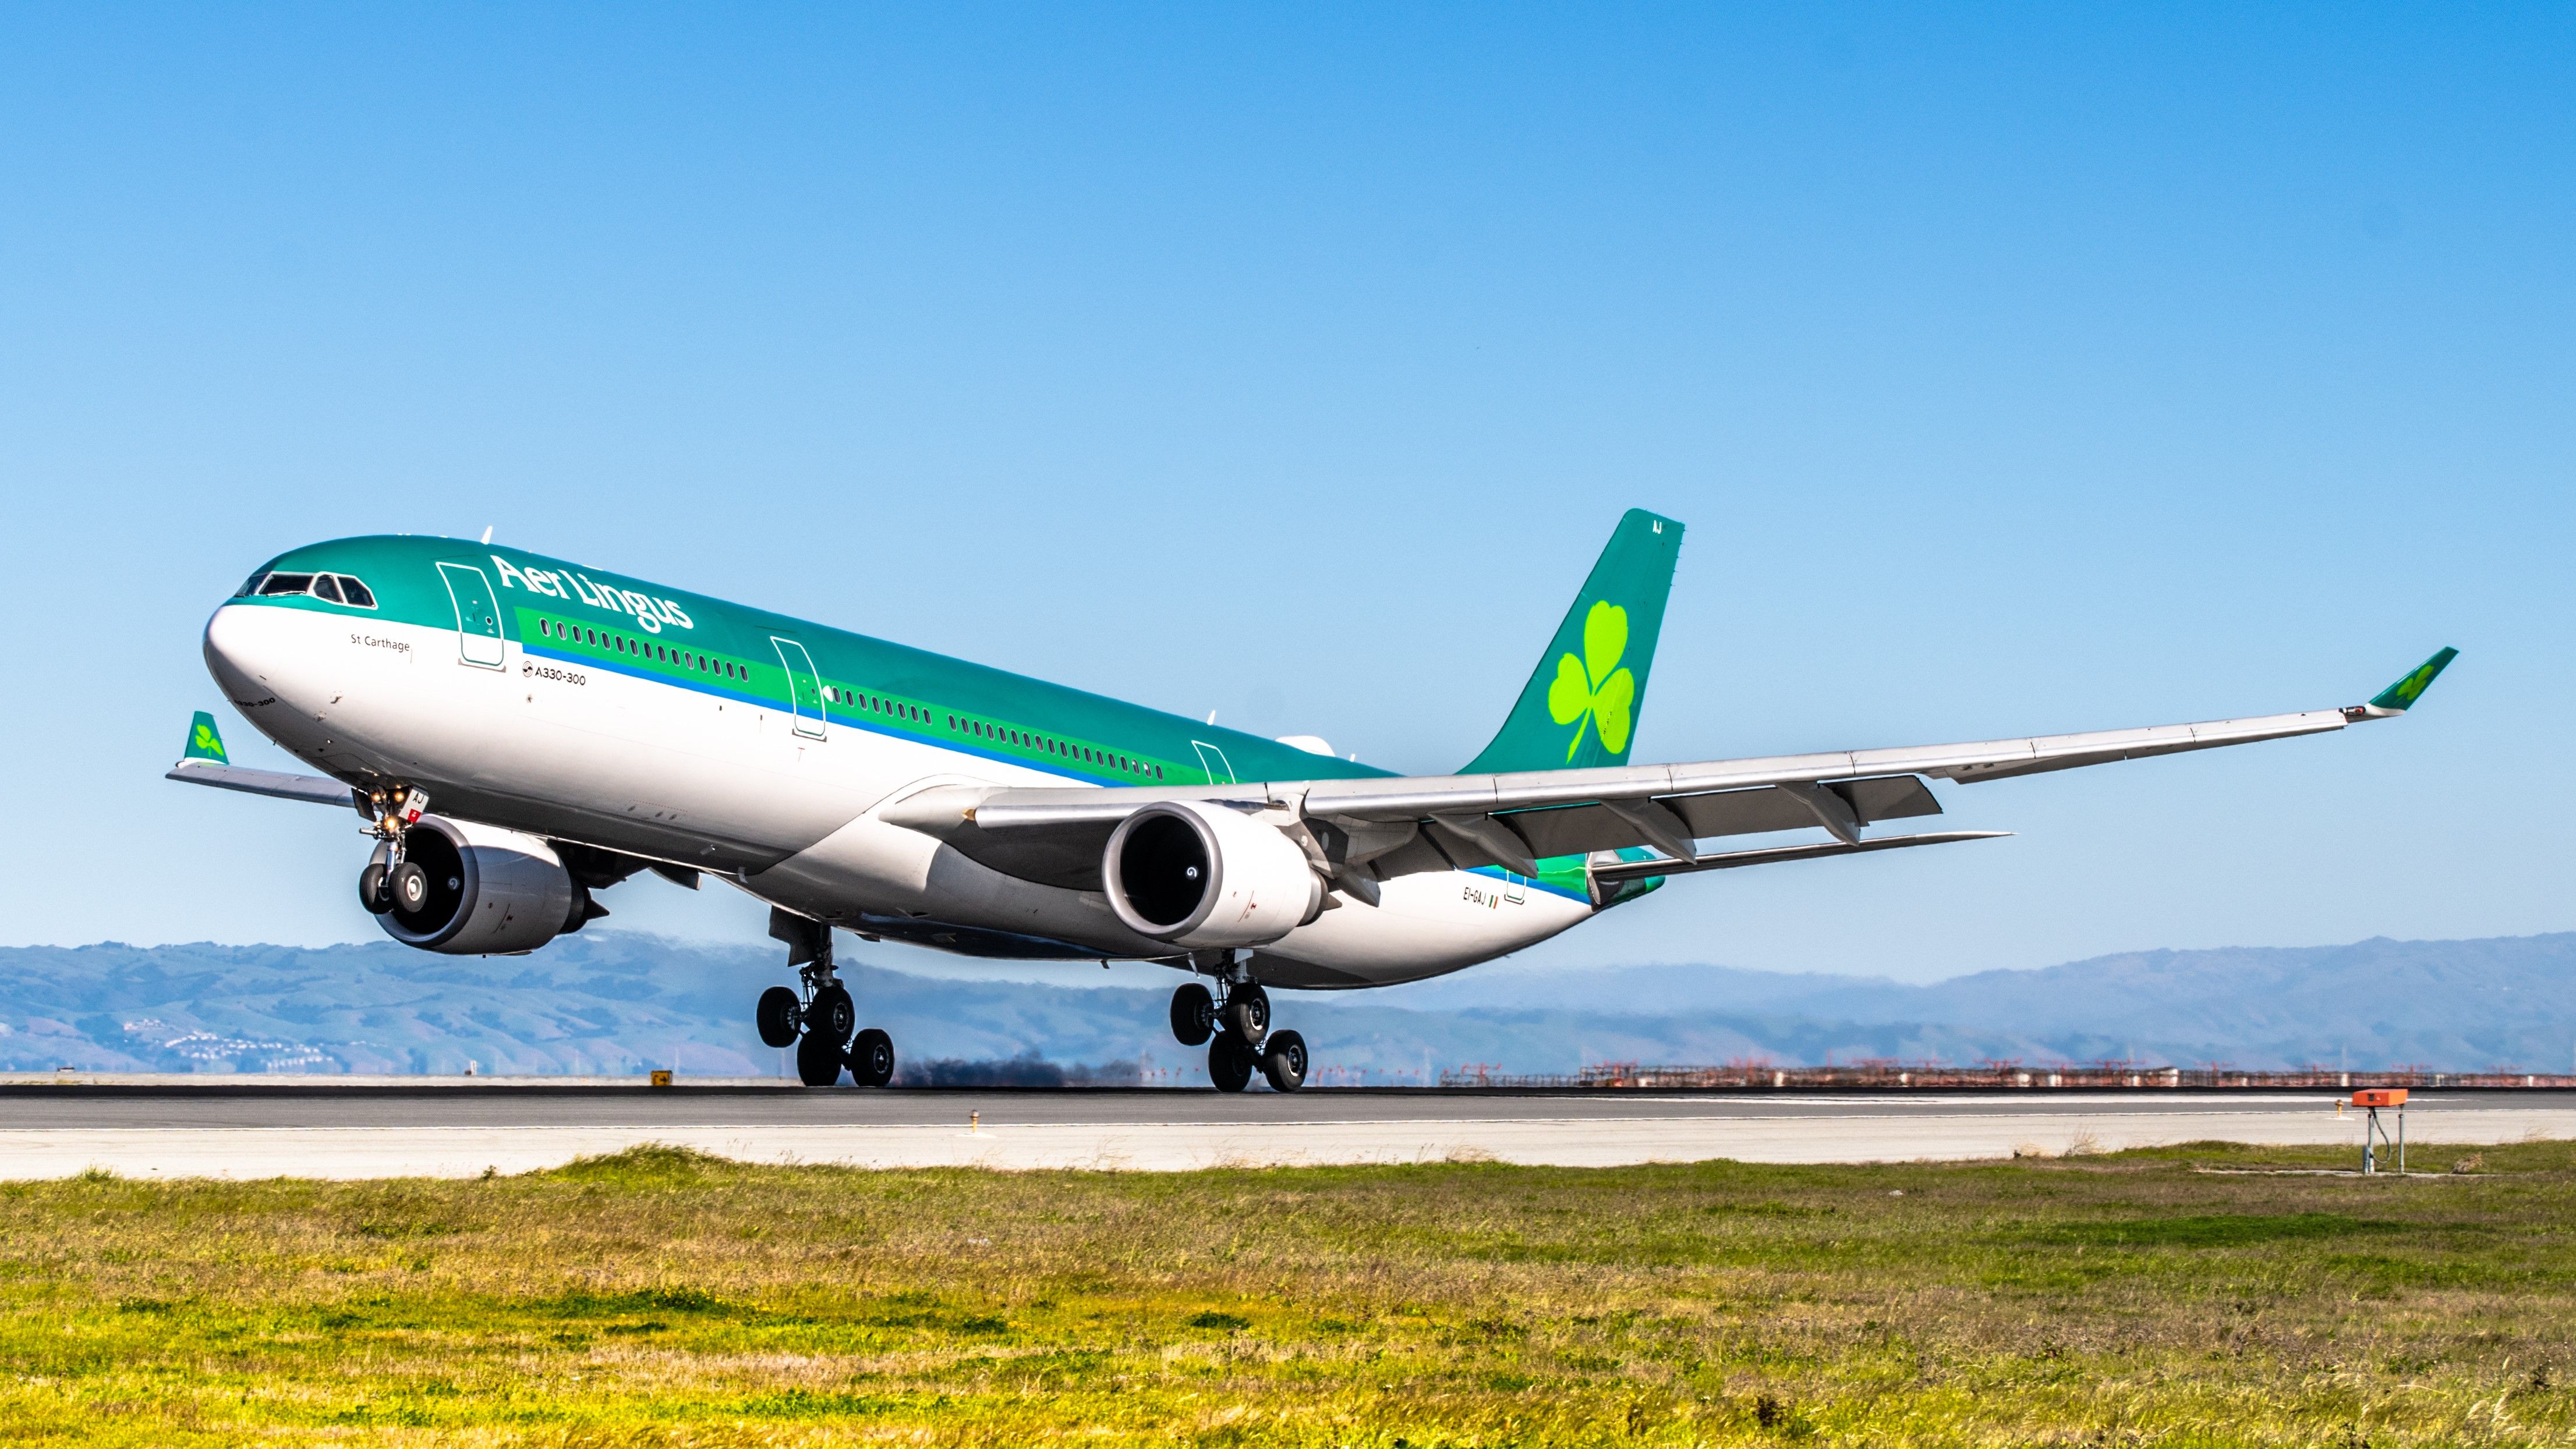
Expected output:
(1581, 706)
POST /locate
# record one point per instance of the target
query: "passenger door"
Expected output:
(804, 686)
(478, 618)
(1219, 769)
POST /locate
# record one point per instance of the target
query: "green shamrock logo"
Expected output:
(1594, 687)
(206, 741)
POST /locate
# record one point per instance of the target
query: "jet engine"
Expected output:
(1198, 874)
(476, 890)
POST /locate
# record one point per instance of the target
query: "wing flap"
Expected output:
(1616, 872)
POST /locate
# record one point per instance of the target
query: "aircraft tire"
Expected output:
(410, 887)
(1193, 1015)
(372, 892)
(833, 1014)
(1283, 1061)
(1247, 1013)
(818, 1060)
(1229, 1063)
(777, 1016)
(872, 1058)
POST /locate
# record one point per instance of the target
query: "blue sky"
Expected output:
(2018, 370)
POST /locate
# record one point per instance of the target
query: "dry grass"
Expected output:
(661, 1298)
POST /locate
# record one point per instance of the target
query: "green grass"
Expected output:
(661, 1298)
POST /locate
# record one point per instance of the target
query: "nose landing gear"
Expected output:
(1237, 1032)
(393, 883)
(819, 1025)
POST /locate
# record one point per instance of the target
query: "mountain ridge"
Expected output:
(617, 1002)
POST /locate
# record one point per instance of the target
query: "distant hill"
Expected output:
(2450, 1004)
(609, 1002)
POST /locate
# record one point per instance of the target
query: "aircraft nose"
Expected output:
(236, 652)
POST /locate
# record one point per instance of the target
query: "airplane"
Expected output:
(576, 727)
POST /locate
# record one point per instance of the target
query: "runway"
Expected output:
(253, 1128)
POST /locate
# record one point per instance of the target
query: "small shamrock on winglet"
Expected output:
(1595, 687)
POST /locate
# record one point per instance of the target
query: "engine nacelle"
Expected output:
(491, 891)
(1197, 874)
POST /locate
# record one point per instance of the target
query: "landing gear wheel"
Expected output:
(1283, 1061)
(818, 1060)
(778, 1015)
(1193, 1014)
(833, 1013)
(1247, 1013)
(872, 1058)
(1229, 1063)
(372, 891)
(410, 887)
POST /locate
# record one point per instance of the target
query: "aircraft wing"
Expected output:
(203, 761)
(315, 789)
(1376, 829)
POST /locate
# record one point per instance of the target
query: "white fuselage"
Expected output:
(639, 765)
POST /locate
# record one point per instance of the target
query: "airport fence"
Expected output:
(1756, 1076)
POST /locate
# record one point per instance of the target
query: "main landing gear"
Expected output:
(1238, 1035)
(819, 1023)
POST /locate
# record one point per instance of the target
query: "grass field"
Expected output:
(2169, 1297)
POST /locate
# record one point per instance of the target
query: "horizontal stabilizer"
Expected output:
(1615, 871)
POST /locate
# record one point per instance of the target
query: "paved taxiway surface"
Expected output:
(325, 1132)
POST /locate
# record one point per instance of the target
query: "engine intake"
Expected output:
(1197, 874)
(491, 891)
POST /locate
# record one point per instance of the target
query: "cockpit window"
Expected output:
(279, 585)
(326, 587)
(250, 585)
(356, 593)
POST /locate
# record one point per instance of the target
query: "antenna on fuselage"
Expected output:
(487, 533)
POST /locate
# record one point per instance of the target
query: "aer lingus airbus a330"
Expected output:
(574, 727)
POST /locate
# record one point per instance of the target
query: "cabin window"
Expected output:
(281, 585)
(326, 587)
